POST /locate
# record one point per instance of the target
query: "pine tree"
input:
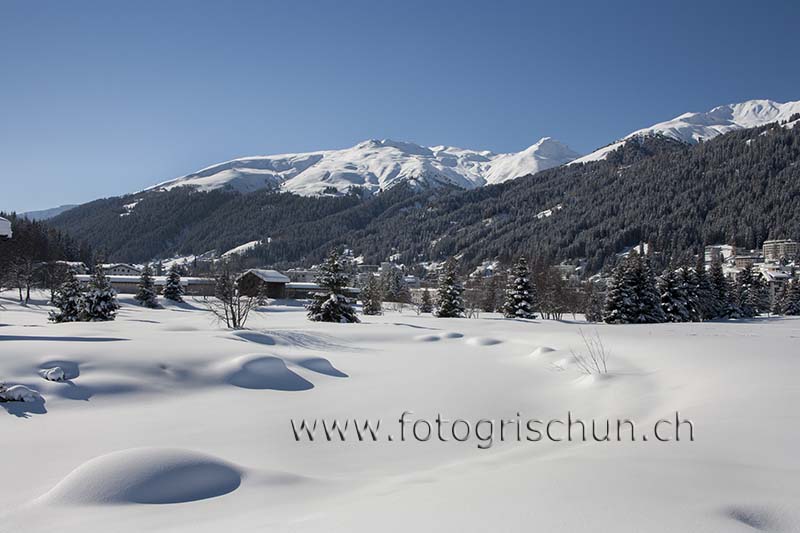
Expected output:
(394, 286)
(450, 292)
(673, 297)
(173, 290)
(706, 302)
(780, 300)
(720, 304)
(330, 303)
(68, 300)
(594, 300)
(691, 287)
(146, 294)
(520, 294)
(372, 303)
(746, 297)
(649, 299)
(621, 301)
(100, 300)
(792, 306)
(426, 306)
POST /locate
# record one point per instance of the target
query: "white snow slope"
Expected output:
(167, 422)
(693, 127)
(376, 166)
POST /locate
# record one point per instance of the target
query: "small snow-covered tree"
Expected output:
(330, 304)
(450, 293)
(371, 301)
(594, 300)
(426, 306)
(394, 286)
(146, 293)
(779, 300)
(650, 310)
(173, 290)
(100, 300)
(520, 295)
(705, 306)
(68, 300)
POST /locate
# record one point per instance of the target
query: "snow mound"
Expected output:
(19, 393)
(320, 365)
(262, 372)
(146, 475)
(427, 338)
(53, 374)
(541, 350)
(483, 341)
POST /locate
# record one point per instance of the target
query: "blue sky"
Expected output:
(102, 98)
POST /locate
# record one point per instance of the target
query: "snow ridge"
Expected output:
(691, 128)
(376, 165)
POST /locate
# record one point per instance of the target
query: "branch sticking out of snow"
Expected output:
(595, 360)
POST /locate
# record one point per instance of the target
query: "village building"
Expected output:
(121, 269)
(5, 227)
(130, 284)
(781, 249)
(263, 282)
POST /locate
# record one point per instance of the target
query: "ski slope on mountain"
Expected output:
(376, 165)
(691, 128)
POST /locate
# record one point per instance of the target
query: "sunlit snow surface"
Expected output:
(167, 422)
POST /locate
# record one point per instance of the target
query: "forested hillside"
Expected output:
(742, 187)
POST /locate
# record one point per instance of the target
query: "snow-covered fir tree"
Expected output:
(633, 297)
(520, 294)
(330, 304)
(100, 300)
(146, 293)
(674, 299)
(691, 287)
(594, 300)
(450, 293)
(173, 290)
(371, 301)
(780, 300)
(427, 305)
(621, 300)
(792, 306)
(746, 293)
(650, 311)
(394, 286)
(705, 295)
(68, 300)
(720, 303)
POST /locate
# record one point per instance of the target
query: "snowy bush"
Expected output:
(53, 374)
(18, 393)
(450, 301)
(520, 294)
(146, 294)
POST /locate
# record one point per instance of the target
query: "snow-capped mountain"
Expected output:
(376, 165)
(692, 127)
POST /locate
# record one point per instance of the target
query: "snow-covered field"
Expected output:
(167, 422)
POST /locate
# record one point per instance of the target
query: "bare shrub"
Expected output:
(595, 359)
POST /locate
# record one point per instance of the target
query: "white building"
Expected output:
(121, 269)
(776, 250)
(5, 227)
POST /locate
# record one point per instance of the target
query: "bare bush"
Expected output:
(595, 359)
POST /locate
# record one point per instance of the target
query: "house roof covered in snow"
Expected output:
(268, 276)
(5, 227)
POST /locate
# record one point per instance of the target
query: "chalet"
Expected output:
(121, 269)
(5, 227)
(258, 281)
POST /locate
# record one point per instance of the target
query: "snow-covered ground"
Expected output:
(167, 422)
